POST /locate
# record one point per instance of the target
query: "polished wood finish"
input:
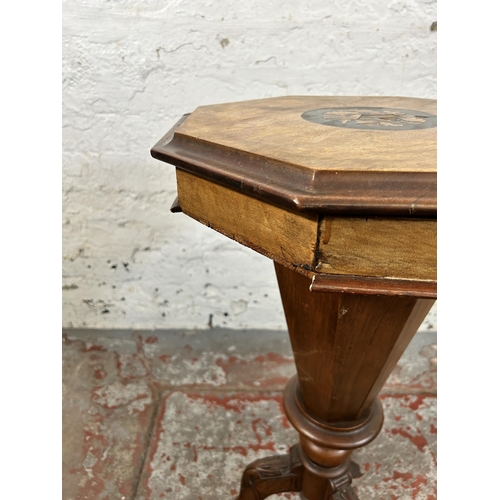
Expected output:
(319, 467)
(368, 246)
(341, 193)
(286, 473)
(294, 472)
(401, 250)
(273, 231)
(345, 346)
(373, 286)
(267, 476)
(265, 148)
(254, 125)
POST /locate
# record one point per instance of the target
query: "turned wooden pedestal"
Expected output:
(341, 193)
(345, 346)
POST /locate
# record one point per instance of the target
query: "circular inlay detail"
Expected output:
(369, 118)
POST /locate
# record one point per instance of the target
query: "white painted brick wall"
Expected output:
(131, 68)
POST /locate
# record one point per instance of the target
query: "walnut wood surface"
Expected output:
(401, 253)
(373, 286)
(273, 231)
(270, 475)
(345, 346)
(344, 202)
(266, 149)
(254, 126)
(286, 473)
(378, 247)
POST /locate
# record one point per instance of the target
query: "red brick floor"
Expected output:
(178, 415)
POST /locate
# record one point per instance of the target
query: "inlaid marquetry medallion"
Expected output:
(370, 118)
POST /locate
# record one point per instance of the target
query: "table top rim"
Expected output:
(354, 191)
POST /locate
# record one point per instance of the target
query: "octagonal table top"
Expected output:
(322, 154)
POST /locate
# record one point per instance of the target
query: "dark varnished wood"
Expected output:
(373, 286)
(270, 475)
(326, 483)
(345, 346)
(286, 473)
(329, 444)
(398, 194)
(175, 207)
(290, 178)
(319, 466)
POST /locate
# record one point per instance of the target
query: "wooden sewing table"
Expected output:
(341, 193)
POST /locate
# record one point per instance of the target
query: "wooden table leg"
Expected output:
(345, 347)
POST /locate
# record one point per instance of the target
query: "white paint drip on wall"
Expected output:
(131, 69)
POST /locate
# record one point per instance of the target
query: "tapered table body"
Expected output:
(340, 192)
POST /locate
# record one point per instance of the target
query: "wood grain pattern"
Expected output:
(294, 189)
(265, 149)
(345, 346)
(397, 256)
(273, 231)
(267, 476)
(394, 248)
(253, 126)
(368, 285)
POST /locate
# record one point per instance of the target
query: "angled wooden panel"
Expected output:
(280, 234)
(391, 248)
(345, 346)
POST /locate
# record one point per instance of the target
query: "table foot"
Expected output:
(326, 483)
(344, 493)
(286, 473)
(345, 346)
(318, 467)
(270, 475)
